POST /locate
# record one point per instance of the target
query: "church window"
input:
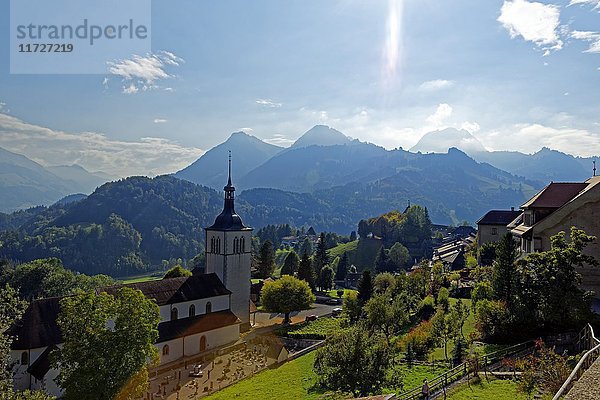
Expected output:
(208, 307)
(24, 358)
(218, 245)
(192, 310)
(242, 245)
(212, 244)
(174, 314)
(236, 245)
(165, 350)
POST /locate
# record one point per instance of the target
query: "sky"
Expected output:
(517, 74)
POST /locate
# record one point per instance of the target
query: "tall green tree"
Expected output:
(306, 271)
(326, 278)
(286, 295)
(504, 268)
(386, 316)
(266, 260)
(290, 264)
(177, 272)
(365, 287)
(107, 342)
(353, 361)
(11, 309)
(342, 268)
(399, 256)
(321, 258)
(382, 261)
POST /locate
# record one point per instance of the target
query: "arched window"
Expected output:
(208, 307)
(174, 314)
(218, 245)
(165, 350)
(203, 343)
(235, 245)
(24, 358)
(192, 310)
(242, 245)
(212, 244)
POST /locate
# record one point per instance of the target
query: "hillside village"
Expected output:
(438, 304)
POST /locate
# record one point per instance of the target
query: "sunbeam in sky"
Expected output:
(392, 49)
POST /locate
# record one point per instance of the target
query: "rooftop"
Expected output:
(499, 217)
(555, 195)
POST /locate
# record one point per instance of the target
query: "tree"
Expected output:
(285, 295)
(353, 361)
(365, 287)
(443, 299)
(11, 309)
(482, 291)
(352, 307)
(352, 236)
(321, 258)
(460, 313)
(291, 264)
(266, 260)
(342, 268)
(326, 278)
(504, 268)
(459, 351)
(306, 271)
(386, 316)
(443, 328)
(384, 282)
(306, 247)
(177, 272)
(382, 261)
(487, 253)
(399, 256)
(107, 342)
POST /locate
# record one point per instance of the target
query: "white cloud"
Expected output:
(534, 22)
(159, 120)
(441, 114)
(595, 3)
(246, 130)
(268, 103)
(470, 127)
(94, 151)
(434, 85)
(142, 72)
(531, 137)
(592, 37)
(280, 140)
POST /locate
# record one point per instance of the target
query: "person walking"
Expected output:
(425, 390)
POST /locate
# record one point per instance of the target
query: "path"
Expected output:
(588, 386)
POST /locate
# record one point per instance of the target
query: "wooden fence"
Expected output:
(441, 382)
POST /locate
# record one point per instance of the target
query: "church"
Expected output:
(199, 313)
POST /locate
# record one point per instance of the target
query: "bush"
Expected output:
(492, 320)
(427, 307)
(420, 339)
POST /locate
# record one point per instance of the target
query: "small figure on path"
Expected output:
(425, 390)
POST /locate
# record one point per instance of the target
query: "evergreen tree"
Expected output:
(326, 278)
(305, 271)
(504, 268)
(382, 262)
(266, 260)
(342, 268)
(365, 286)
(352, 236)
(321, 257)
(291, 264)
(306, 247)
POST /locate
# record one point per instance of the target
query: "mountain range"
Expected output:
(25, 183)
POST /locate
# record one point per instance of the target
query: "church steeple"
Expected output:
(228, 219)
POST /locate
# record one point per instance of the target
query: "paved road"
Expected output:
(266, 319)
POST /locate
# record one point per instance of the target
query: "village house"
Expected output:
(493, 225)
(556, 208)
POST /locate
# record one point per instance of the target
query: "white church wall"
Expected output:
(175, 350)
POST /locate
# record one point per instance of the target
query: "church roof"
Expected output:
(40, 367)
(198, 324)
(177, 290)
(38, 328)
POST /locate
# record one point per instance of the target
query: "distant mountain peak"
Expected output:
(321, 135)
(442, 140)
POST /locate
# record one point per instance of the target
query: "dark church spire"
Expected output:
(228, 219)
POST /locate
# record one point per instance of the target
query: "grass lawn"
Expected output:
(296, 379)
(154, 276)
(338, 250)
(413, 377)
(318, 329)
(293, 380)
(496, 389)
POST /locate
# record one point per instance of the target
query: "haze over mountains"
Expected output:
(25, 183)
